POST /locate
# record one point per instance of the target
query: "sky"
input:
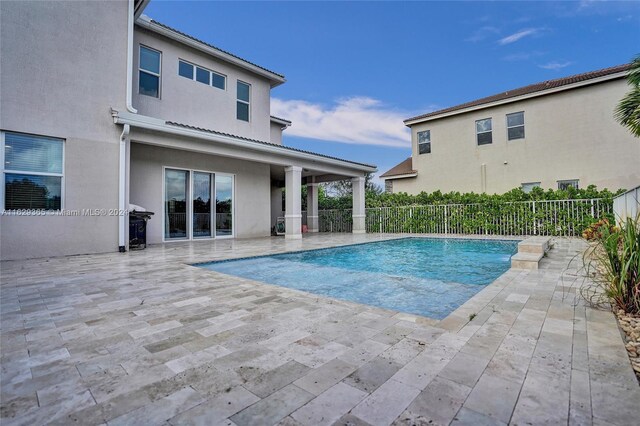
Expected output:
(356, 70)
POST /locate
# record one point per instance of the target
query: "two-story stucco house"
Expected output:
(552, 134)
(103, 108)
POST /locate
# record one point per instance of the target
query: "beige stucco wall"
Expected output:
(57, 81)
(194, 103)
(568, 135)
(276, 133)
(252, 186)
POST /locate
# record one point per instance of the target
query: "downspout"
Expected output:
(124, 137)
(122, 165)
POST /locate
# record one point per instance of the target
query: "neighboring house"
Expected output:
(553, 134)
(103, 107)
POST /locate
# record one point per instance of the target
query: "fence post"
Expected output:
(380, 218)
(535, 222)
(446, 220)
(593, 215)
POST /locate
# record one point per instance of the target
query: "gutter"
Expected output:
(416, 120)
(158, 125)
(130, 21)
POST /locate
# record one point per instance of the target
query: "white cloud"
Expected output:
(555, 65)
(482, 33)
(517, 36)
(356, 120)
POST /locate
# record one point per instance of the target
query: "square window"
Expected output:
(202, 75)
(218, 80)
(149, 84)
(185, 69)
(33, 172)
(243, 111)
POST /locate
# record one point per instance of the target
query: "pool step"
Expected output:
(530, 252)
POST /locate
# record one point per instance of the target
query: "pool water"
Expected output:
(424, 276)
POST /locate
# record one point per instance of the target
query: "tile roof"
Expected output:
(532, 88)
(213, 47)
(215, 132)
(403, 168)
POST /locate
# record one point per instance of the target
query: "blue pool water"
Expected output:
(423, 276)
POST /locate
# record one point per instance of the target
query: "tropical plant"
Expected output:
(614, 264)
(628, 110)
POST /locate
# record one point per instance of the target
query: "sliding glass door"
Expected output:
(202, 204)
(176, 187)
(189, 211)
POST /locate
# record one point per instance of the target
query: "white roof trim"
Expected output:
(156, 124)
(145, 22)
(404, 176)
(589, 82)
(280, 121)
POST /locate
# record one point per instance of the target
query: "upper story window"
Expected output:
(566, 184)
(33, 171)
(149, 72)
(388, 186)
(424, 142)
(244, 96)
(484, 134)
(515, 126)
(203, 75)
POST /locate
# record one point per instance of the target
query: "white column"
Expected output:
(312, 206)
(293, 202)
(357, 185)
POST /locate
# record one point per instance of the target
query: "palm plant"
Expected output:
(628, 110)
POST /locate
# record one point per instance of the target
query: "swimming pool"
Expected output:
(423, 276)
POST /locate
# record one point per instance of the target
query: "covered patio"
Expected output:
(145, 337)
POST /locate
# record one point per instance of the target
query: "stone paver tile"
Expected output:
(421, 370)
(542, 401)
(508, 365)
(55, 412)
(282, 340)
(372, 374)
(580, 399)
(329, 406)
(493, 397)
(614, 405)
(198, 358)
(271, 381)
(363, 353)
(464, 369)
(221, 327)
(404, 351)
(467, 417)
(192, 301)
(158, 328)
(274, 407)
(322, 378)
(437, 404)
(161, 410)
(216, 409)
(386, 403)
(351, 420)
(314, 356)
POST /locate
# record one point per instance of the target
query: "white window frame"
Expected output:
(423, 143)
(480, 133)
(4, 171)
(189, 221)
(159, 75)
(533, 185)
(193, 76)
(506, 119)
(569, 181)
(243, 102)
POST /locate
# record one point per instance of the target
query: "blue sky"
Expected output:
(355, 70)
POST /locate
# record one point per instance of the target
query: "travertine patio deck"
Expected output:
(144, 338)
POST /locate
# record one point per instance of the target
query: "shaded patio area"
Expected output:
(145, 338)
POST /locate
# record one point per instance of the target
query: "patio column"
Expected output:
(293, 202)
(312, 206)
(357, 185)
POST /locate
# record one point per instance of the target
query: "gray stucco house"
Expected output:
(103, 107)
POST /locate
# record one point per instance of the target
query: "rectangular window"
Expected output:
(32, 171)
(515, 126)
(527, 187)
(202, 75)
(424, 142)
(243, 93)
(388, 186)
(566, 184)
(185, 69)
(484, 131)
(149, 72)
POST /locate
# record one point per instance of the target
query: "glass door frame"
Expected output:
(189, 225)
